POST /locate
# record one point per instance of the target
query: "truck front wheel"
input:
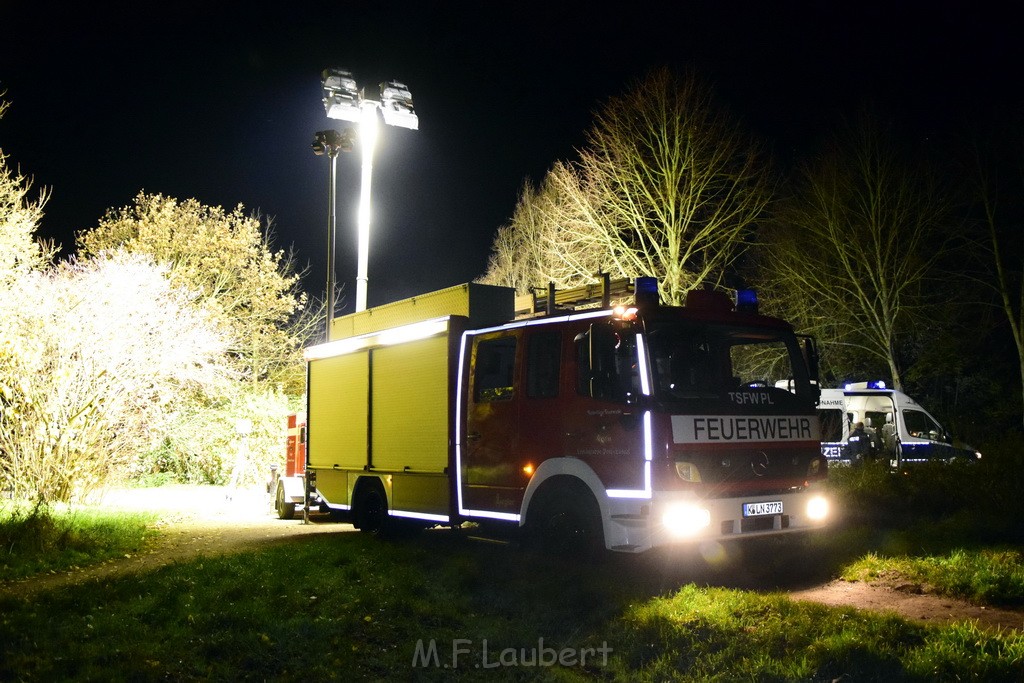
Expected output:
(567, 523)
(285, 508)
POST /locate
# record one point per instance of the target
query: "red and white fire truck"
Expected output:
(289, 487)
(627, 427)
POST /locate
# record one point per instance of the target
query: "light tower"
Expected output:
(343, 100)
(330, 142)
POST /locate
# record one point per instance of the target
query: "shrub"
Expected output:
(977, 502)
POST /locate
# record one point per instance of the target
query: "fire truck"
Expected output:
(289, 487)
(578, 424)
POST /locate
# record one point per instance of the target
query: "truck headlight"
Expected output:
(817, 508)
(683, 519)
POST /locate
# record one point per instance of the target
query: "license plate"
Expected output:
(761, 509)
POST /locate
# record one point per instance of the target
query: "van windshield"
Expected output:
(831, 422)
(700, 360)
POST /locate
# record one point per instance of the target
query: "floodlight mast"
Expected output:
(344, 101)
(330, 142)
(368, 137)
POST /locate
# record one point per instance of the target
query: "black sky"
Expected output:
(220, 101)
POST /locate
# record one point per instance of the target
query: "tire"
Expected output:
(567, 523)
(285, 509)
(371, 514)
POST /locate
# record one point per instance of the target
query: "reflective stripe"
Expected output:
(648, 457)
(462, 380)
(420, 515)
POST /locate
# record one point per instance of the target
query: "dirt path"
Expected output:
(908, 602)
(206, 520)
(193, 521)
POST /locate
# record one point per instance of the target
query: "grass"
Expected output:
(944, 506)
(352, 607)
(952, 529)
(717, 634)
(987, 576)
(39, 539)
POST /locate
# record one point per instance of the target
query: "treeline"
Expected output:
(168, 346)
(900, 252)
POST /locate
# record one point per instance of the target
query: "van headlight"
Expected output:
(684, 519)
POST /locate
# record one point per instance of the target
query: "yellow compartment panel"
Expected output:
(338, 409)
(333, 485)
(483, 304)
(410, 406)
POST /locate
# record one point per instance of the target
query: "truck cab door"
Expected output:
(488, 472)
(603, 423)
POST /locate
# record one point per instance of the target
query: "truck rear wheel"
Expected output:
(371, 514)
(285, 508)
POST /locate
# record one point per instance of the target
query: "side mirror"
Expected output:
(596, 357)
(809, 350)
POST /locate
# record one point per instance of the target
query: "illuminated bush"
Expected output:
(94, 358)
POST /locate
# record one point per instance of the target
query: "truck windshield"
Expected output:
(690, 360)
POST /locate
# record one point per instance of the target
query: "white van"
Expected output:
(895, 428)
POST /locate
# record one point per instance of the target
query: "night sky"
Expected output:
(220, 102)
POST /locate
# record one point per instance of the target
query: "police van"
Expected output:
(866, 421)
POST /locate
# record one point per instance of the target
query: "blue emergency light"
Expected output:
(645, 291)
(746, 300)
(873, 384)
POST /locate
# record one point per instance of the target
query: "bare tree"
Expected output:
(532, 250)
(996, 175)
(856, 242)
(517, 251)
(667, 185)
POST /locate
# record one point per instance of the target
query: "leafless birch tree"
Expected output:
(996, 173)
(668, 185)
(855, 244)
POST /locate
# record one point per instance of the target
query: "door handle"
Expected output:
(472, 436)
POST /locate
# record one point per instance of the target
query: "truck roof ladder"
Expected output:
(540, 302)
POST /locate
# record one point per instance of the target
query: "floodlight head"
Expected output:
(337, 77)
(396, 105)
(331, 142)
(341, 95)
